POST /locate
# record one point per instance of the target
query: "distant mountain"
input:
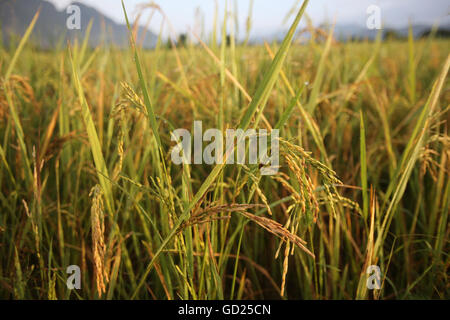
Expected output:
(50, 29)
(345, 32)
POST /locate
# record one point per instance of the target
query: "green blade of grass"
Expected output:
(22, 43)
(312, 103)
(8, 92)
(147, 102)
(263, 91)
(362, 145)
(287, 113)
(93, 139)
(411, 67)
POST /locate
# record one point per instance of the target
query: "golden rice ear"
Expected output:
(98, 239)
(285, 268)
(277, 229)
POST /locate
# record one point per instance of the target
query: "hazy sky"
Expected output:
(268, 15)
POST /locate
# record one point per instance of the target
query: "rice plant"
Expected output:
(87, 179)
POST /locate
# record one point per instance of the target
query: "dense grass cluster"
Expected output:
(86, 176)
